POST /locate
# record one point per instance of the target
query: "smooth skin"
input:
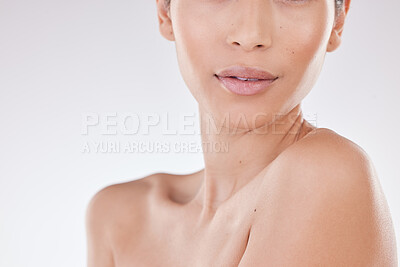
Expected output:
(286, 193)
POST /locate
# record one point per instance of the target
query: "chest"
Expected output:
(174, 240)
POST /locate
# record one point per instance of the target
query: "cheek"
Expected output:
(194, 46)
(302, 42)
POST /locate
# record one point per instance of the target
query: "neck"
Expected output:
(232, 159)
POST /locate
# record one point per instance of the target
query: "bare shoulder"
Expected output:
(131, 199)
(329, 162)
(324, 151)
(326, 207)
(112, 212)
(126, 201)
(121, 195)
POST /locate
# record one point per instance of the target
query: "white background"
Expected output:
(60, 60)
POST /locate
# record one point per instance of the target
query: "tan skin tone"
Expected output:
(292, 195)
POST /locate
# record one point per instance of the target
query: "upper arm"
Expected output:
(99, 252)
(328, 210)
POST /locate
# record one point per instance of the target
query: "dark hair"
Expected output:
(339, 5)
(167, 3)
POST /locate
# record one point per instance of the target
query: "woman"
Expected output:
(285, 193)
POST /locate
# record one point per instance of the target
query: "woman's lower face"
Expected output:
(284, 37)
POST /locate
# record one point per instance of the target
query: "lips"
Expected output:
(245, 81)
(246, 73)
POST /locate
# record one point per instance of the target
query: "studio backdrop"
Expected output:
(75, 76)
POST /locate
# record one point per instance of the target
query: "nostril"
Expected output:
(255, 46)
